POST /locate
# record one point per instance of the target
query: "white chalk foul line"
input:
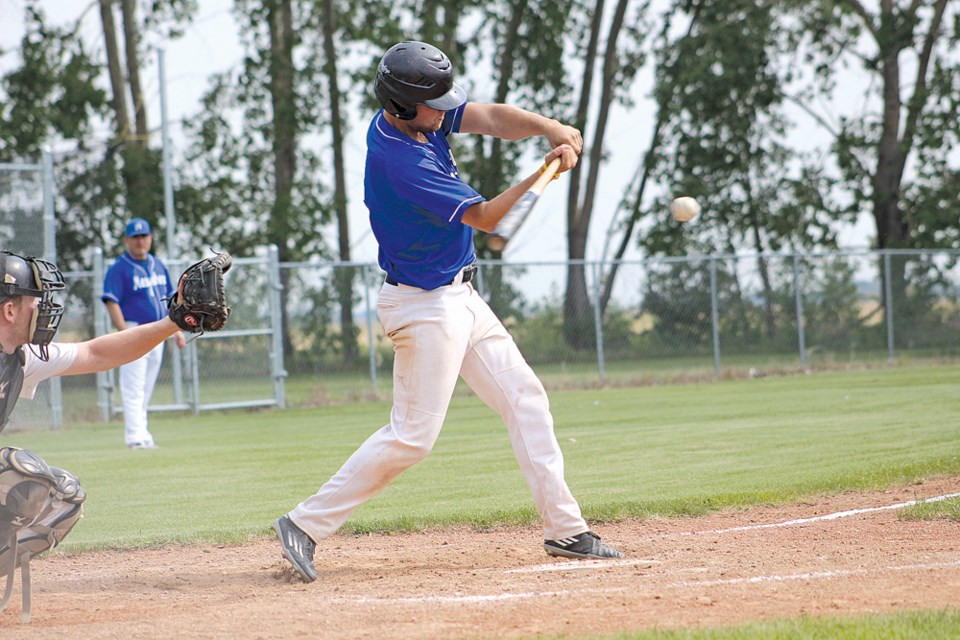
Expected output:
(829, 516)
(581, 565)
(476, 599)
(815, 575)
(495, 598)
(600, 564)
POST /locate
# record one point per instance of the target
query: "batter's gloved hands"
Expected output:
(201, 304)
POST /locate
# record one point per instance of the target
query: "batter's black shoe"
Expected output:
(586, 545)
(297, 547)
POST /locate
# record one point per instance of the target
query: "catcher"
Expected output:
(40, 504)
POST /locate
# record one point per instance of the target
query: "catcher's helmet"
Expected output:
(26, 276)
(412, 73)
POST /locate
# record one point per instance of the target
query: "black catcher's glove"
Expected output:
(201, 304)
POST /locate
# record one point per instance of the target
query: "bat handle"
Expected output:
(547, 173)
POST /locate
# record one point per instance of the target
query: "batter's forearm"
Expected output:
(484, 216)
(507, 122)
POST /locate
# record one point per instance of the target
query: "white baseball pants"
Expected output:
(137, 380)
(438, 335)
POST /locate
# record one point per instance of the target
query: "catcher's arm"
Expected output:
(114, 349)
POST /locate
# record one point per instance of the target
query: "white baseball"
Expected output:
(684, 209)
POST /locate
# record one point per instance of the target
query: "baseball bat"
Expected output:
(509, 223)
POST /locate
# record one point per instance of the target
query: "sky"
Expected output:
(209, 45)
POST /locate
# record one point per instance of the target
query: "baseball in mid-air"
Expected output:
(684, 209)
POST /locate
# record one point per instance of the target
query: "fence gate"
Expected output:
(238, 367)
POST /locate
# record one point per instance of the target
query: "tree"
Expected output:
(528, 70)
(894, 157)
(620, 64)
(256, 184)
(722, 92)
(56, 99)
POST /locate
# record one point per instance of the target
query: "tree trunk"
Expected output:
(578, 310)
(141, 170)
(132, 45)
(643, 175)
(344, 277)
(114, 66)
(283, 102)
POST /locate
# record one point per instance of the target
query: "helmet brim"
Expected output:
(450, 100)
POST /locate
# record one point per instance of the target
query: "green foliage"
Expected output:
(909, 124)
(231, 182)
(721, 92)
(52, 94)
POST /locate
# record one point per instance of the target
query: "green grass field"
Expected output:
(913, 625)
(630, 452)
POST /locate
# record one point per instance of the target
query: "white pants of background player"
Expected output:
(437, 336)
(137, 380)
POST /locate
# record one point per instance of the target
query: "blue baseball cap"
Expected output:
(138, 227)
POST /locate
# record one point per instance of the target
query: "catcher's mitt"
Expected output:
(201, 304)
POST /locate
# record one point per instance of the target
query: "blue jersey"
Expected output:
(416, 201)
(141, 288)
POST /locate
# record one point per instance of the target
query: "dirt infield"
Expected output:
(727, 568)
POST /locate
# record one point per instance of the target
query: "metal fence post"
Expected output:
(104, 378)
(277, 371)
(888, 294)
(371, 338)
(50, 253)
(479, 280)
(801, 330)
(715, 316)
(193, 361)
(598, 322)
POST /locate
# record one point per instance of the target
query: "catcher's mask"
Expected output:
(27, 276)
(412, 73)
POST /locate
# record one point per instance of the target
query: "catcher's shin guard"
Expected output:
(39, 505)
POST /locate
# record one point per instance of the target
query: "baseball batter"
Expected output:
(423, 216)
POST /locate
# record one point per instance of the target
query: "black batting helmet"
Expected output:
(26, 276)
(412, 73)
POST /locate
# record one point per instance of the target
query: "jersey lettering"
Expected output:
(155, 280)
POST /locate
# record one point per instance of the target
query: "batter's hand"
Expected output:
(565, 134)
(568, 157)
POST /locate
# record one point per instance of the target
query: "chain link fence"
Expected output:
(691, 318)
(27, 227)
(703, 317)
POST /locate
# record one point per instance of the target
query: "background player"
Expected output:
(423, 216)
(135, 291)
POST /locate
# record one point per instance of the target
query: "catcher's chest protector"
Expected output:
(11, 381)
(39, 505)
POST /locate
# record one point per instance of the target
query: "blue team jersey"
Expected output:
(141, 288)
(416, 201)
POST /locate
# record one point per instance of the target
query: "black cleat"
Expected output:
(297, 547)
(586, 545)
